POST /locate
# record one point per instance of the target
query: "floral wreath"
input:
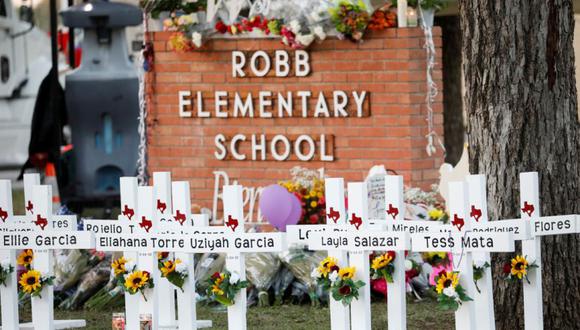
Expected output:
(450, 294)
(339, 281)
(5, 270)
(223, 287)
(174, 270)
(382, 266)
(479, 268)
(517, 269)
(130, 278)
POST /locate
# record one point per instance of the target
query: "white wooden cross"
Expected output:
(59, 234)
(462, 242)
(358, 240)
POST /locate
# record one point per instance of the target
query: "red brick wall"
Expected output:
(390, 65)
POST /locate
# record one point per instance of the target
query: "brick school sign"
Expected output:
(254, 109)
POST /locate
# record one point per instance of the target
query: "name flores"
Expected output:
(209, 244)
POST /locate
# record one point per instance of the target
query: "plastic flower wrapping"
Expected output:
(261, 270)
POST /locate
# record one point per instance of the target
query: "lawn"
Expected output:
(420, 315)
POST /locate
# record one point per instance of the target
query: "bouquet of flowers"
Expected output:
(174, 270)
(383, 18)
(479, 268)
(338, 280)
(301, 262)
(5, 270)
(450, 294)
(32, 282)
(130, 278)
(25, 258)
(223, 287)
(308, 187)
(437, 214)
(185, 37)
(517, 269)
(350, 19)
(382, 266)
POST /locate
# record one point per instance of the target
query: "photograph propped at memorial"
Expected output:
(289, 164)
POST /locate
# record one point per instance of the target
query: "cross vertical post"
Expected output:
(396, 291)
(336, 216)
(360, 309)
(8, 293)
(235, 262)
(531, 249)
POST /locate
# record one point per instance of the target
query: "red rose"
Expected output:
(391, 254)
(221, 27)
(334, 268)
(442, 272)
(314, 218)
(215, 276)
(507, 268)
(345, 290)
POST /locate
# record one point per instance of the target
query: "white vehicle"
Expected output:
(24, 62)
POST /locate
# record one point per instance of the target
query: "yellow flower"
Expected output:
(328, 265)
(435, 214)
(346, 273)
(169, 267)
(519, 267)
(136, 280)
(119, 266)
(312, 194)
(215, 289)
(25, 258)
(30, 281)
(381, 261)
(447, 279)
(313, 204)
(319, 195)
(162, 255)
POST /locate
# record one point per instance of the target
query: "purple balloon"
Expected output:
(275, 205)
(295, 212)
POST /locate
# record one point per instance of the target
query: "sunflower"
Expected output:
(328, 265)
(118, 266)
(162, 255)
(169, 267)
(136, 280)
(346, 272)
(30, 281)
(447, 279)
(25, 258)
(216, 289)
(519, 267)
(381, 261)
(435, 214)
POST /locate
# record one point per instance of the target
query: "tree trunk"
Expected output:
(522, 116)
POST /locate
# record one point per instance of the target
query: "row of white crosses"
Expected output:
(470, 237)
(42, 232)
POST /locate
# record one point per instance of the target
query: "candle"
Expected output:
(402, 13)
(411, 17)
(118, 321)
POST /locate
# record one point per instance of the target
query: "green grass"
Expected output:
(420, 315)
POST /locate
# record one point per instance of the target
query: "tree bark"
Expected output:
(522, 116)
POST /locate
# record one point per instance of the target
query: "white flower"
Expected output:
(315, 273)
(234, 278)
(196, 39)
(194, 19)
(5, 263)
(408, 265)
(315, 16)
(181, 268)
(295, 26)
(305, 39)
(319, 32)
(130, 265)
(333, 276)
(449, 292)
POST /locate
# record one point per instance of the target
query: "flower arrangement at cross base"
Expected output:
(32, 282)
(517, 269)
(5, 270)
(131, 279)
(339, 281)
(450, 294)
(382, 266)
(174, 270)
(479, 268)
(223, 287)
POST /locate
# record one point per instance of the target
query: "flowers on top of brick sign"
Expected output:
(223, 287)
(450, 294)
(5, 270)
(517, 268)
(308, 187)
(350, 19)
